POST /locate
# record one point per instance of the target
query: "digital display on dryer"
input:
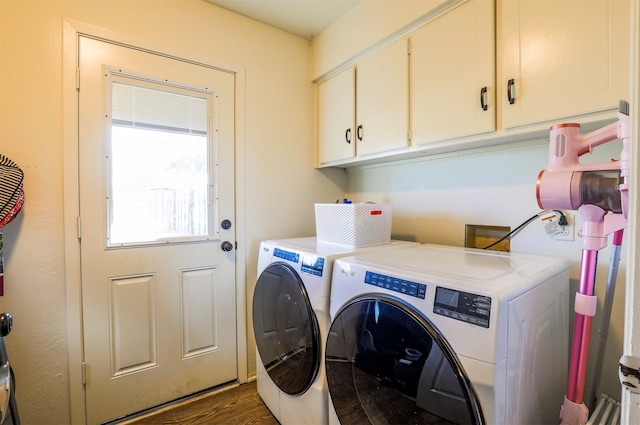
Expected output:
(312, 264)
(463, 306)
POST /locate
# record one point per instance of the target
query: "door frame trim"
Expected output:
(72, 30)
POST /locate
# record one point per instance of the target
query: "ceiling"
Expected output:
(306, 18)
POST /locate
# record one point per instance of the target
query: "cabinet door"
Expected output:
(336, 118)
(383, 100)
(562, 58)
(452, 75)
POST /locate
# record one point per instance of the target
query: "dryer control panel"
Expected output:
(418, 290)
(286, 255)
(464, 306)
(311, 264)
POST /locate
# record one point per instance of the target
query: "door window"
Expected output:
(159, 162)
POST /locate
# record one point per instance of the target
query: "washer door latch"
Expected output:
(629, 373)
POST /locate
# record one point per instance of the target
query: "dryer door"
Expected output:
(386, 363)
(286, 329)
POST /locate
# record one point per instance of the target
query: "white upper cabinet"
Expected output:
(364, 110)
(453, 76)
(336, 118)
(479, 73)
(383, 100)
(562, 58)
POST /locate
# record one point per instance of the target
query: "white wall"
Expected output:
(277, 176)
(434, 198)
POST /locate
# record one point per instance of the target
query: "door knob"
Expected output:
(226, 246)
(226, 224)
(6, 324)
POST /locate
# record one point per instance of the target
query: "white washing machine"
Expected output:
(290, 321)
(440, 334)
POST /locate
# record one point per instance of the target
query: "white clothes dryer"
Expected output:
(441, 334)
(290, 320)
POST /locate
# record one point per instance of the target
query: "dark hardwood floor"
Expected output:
(239, 405)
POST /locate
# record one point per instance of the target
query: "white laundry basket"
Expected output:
(356, 225)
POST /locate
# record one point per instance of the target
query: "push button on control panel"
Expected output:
(418, 290)
(286, 255)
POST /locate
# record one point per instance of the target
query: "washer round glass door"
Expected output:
(386, 363)
(286, 329)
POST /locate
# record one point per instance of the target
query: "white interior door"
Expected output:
(156, 192)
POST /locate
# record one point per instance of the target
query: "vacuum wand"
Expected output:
(599, 192)
(606, 312)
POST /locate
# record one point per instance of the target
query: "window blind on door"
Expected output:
(136, 106)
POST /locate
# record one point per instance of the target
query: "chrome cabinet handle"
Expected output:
(483, 99)
(511, 91)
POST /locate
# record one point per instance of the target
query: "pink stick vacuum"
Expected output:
(600, 194)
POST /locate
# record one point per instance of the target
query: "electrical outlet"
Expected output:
(568, 231)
